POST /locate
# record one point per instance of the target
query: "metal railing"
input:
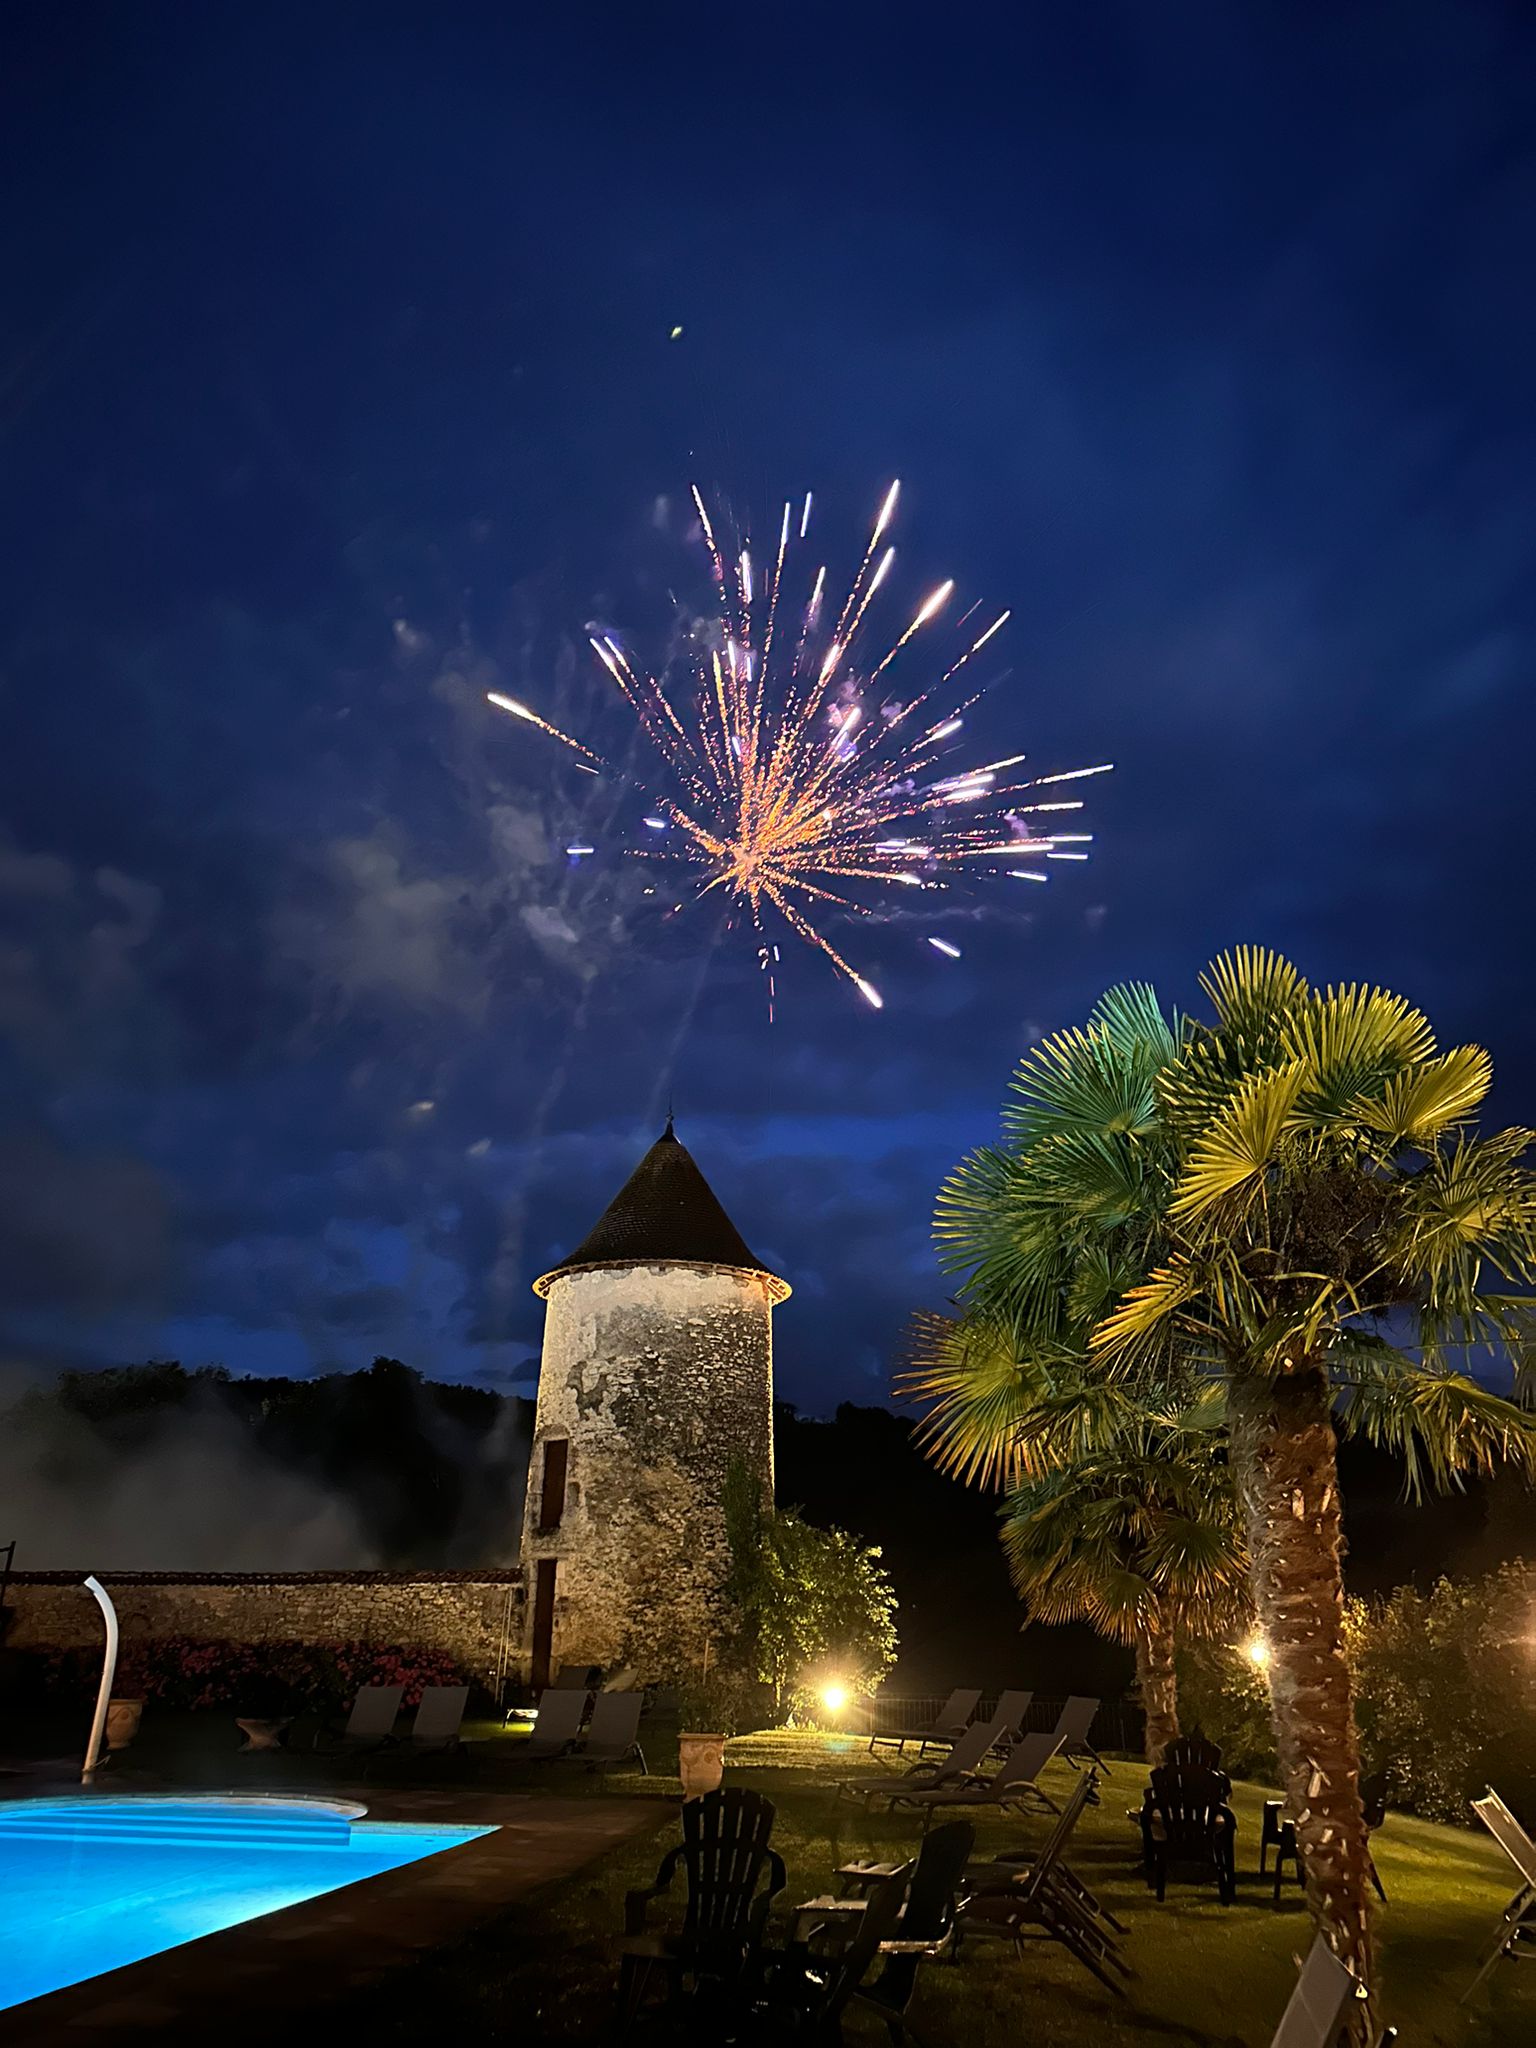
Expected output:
(1117, 1725)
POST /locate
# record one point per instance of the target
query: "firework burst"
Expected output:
(796, 779)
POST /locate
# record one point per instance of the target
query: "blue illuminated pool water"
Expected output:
(88, 1884)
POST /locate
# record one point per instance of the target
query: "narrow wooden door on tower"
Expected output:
(543, 1622)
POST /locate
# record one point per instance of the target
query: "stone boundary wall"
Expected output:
(476, 1616)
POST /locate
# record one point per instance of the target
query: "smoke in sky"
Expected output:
(195, 1496)
(378, 1474)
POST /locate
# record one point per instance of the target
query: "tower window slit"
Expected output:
(552, 1490)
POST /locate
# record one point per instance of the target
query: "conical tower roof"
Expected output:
(666, 1213)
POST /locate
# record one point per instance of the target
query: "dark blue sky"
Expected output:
(336, 387)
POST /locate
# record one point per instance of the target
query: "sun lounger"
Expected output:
(371, 1722)
(1046, 1895)
(573, 1678)
(1314, 2018)
(558, 1724)
(612, 1735)
(1072, 1727)
(439, 1717)
(949, 1724)
(1515, 1934)
(1008, 1718)
(963, 1763)
(1011, 1786)
(433, 1733)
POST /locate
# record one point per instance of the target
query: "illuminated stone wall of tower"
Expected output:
(656, 1378)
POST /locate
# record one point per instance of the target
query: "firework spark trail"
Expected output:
(784, 782)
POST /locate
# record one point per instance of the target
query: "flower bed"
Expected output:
(275, 1678)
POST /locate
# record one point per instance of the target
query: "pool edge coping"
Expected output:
(301, 1958)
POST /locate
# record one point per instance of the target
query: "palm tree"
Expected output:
(1314, 1227)
(1128, 1524)
(1140, 1541)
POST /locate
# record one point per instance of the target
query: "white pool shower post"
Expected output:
(108, 1673)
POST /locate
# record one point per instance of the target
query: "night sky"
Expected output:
(336, 387)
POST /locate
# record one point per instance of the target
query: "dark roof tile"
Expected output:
(666, 1211)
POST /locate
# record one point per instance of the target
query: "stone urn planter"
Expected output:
(700, 1764)
(123, 1718)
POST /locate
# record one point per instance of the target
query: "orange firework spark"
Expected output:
(791, 775)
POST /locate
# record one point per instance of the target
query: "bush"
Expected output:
(726, 1703)
(268, 1679)
(1225, 1697)
(1443, 1687)
(816, 1605)
(1445, 1682)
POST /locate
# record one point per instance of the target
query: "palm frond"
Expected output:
(1235, 1152)
(1429, 1099)
(1081, 1082)
(979, 1396)
(1352, 1040)
(1253, 991)
(1131, 1018)
(991, 1229)
(1147, 1306)
(1473, 1204)
(1105, 1270)
(1443, 1425)
(1195, 1561)
(1093, 1176)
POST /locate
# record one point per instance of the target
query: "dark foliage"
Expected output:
(433, 1472)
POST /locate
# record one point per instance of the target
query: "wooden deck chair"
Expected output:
(1515, 1934)
(924, 1932)
(948, 1725)
(932, 1882)
(1186, 1824)
(557, 1726)
(963, 1763)
(806, 1996)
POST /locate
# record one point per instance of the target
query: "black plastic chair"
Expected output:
(933, 1887)
(926, 1929)
(1194, 1752)
(1280, 1833)
(1187, 1823)
(804, 1997)
(725, 1853)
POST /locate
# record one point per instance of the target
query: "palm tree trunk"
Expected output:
(1157, 1686)
(1284, 1456)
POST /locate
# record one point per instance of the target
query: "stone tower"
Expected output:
(657, 1376)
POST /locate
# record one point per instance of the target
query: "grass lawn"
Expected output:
(1205, 1974)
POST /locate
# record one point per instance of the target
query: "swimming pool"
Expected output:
(88, 1884)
